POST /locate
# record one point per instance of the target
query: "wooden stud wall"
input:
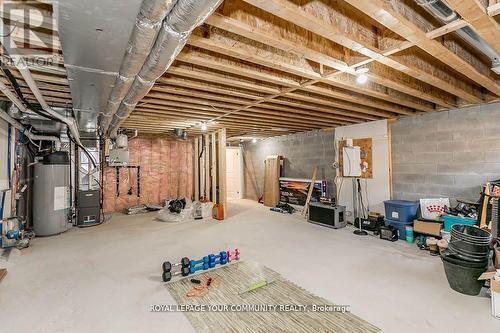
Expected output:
(210, 167)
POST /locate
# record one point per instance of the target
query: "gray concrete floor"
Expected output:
(104, 279)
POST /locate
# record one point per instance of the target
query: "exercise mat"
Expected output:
(291, 307)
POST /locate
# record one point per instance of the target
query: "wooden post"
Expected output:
(311, 189)
(222, 170)
(390, 122)
(207, 167)
(196, 171)
(483, 223)
(201, 158)
(214, 169)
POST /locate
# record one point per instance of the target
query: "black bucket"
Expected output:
(469, 242)
(471, 234)
(463, 252)
(464, 279)
(457, 260)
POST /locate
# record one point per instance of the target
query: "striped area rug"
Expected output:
(231, 280)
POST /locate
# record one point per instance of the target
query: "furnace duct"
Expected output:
(182, 18)
(147, 25)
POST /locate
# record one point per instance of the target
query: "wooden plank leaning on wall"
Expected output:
(210, 168)
(222, 169)
(196, 173)
(207, 167)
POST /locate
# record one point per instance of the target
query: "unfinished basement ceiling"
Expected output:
(269, 67)
(263, 68)
(38, 43)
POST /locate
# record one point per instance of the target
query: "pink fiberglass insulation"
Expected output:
(166, 173)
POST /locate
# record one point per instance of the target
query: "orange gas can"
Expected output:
(218, 212)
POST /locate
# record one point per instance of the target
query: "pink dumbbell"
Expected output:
(233, 256)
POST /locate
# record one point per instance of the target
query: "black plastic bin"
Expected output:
(463, 279)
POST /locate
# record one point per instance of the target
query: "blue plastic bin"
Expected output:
(450, 220)
(401, 210)
(401, 226)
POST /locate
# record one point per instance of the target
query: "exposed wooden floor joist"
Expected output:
(272, 67)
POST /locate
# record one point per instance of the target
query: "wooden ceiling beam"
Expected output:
(322, 111)
(348, 115)
(494, 10)
(255, 119)
(210, 76)
(339, 116)
(264, 36)
(293, 13)
(38, 39)
(203, 86)
(252, 52)
(265, 115)
(233, 67)
(383, 13)
(358, 99)
(328, 93)
(166, 115)
(158, 92)
(261, 122)
(43, 18)
(485, 25)
(292, 109)
(166, 130)
(414, 88)
(304, 96)
(372, 89)
(235, 48)
(262, 111)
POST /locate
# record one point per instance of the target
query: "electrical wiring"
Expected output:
(200, 291)
(34, 144)
(13, 81)
(367, 196)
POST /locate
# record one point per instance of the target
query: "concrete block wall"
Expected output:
(301, 152)
(446, 154)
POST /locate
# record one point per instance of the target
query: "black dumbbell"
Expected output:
(167, 276)
(167, 266)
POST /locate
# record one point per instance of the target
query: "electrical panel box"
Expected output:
(118, 157)
(352, 162)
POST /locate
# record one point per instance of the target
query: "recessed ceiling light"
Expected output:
(203, 126)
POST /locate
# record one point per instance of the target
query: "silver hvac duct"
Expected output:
(30, 135)
(17, 102)
(11, 50)
(180, 22)
(143, 36)
(446, 14)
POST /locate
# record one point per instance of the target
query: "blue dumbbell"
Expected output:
(220, 259)
(213, 257)
(204, 265)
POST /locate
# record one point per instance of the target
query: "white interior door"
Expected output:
(234, 172)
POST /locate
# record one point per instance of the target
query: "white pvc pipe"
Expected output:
(11, 50)
(30, 135)
(17, 102)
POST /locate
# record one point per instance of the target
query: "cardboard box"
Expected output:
(427, 228)
(494, 278)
